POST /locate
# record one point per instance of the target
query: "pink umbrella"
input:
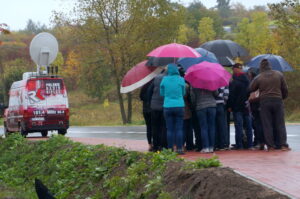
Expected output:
(206, 75)
(138, 76)
(174, 50)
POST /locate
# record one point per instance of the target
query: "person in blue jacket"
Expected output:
(172, 88)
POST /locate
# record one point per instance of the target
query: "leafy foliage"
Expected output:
(196, 11)
(256, 36)
(122, 32)
(206, 31)
(34, 27)
(183, 34)
(13, 71)
(287, 20)
(224, 8)
(72, 70)
(206, 163)
(74, 170)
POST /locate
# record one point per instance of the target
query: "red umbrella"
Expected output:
(174, 50)
(138, 76)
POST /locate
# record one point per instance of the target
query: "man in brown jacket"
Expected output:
(272, 91)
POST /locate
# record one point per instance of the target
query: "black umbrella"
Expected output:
(225, 61)
(225, 48)
(160, 61)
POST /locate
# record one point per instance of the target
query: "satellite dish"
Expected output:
(43, 49)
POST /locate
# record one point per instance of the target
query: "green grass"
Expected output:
(87, 111)
(8, 193)
(73, 170)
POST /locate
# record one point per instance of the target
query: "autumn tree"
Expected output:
(223, 8)
(123, 32)
(287, 19)
(238, 12)
(12, 71)
(196, 11)
(3, 30)
(185, 34)
(34, 27)
(71, 70)
(58, 62)
(255, 34)
(205, 29)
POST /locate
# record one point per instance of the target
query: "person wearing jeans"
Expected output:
(205, 106)
(172, 88)
(237, 103)
(207, 119)
(174, 122)
(242, 120)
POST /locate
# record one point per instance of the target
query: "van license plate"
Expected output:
(38, 119)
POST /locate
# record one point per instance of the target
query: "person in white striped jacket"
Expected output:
(222, 134)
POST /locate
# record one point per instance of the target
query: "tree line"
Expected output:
(100, 40)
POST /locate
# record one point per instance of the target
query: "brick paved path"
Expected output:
(280, 170)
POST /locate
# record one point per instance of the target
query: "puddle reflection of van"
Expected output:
(37, 104)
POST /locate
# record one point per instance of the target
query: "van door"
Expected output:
(48, 102)
(13, 112)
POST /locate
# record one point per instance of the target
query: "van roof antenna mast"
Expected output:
(43, 51)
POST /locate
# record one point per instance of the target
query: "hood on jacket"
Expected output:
(264, 66)
(172, 69)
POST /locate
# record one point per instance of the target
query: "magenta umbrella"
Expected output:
(174, 50)
(206, 75)
(138, 76)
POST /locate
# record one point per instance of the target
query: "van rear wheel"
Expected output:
(22, 131)
(44, 133)
(62, 132)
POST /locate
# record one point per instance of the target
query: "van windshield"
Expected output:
(47, 93)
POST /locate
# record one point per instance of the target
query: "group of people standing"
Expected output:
(175, 113)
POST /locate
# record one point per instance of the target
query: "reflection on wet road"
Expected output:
(138, 133)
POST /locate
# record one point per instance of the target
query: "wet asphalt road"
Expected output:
(138, 133)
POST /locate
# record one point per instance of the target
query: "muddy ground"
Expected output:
(214, 183)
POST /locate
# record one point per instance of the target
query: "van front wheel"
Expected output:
(6, 132)
(62, 131)
(44, 133)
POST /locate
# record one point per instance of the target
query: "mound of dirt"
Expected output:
(213, 183)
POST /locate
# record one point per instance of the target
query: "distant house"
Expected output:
(227, 29)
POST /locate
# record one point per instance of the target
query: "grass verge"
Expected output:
(87, 111)
(73, 170)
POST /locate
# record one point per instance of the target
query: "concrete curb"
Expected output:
(264, 184)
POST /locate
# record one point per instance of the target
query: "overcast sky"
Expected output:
(16, 13)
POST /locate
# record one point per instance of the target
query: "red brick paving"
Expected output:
(277, 169)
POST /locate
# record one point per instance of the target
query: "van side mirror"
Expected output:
(3, 106)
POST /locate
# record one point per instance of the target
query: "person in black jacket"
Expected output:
(158, 124)
(237, 103)
(145, 97)
(259, 141)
